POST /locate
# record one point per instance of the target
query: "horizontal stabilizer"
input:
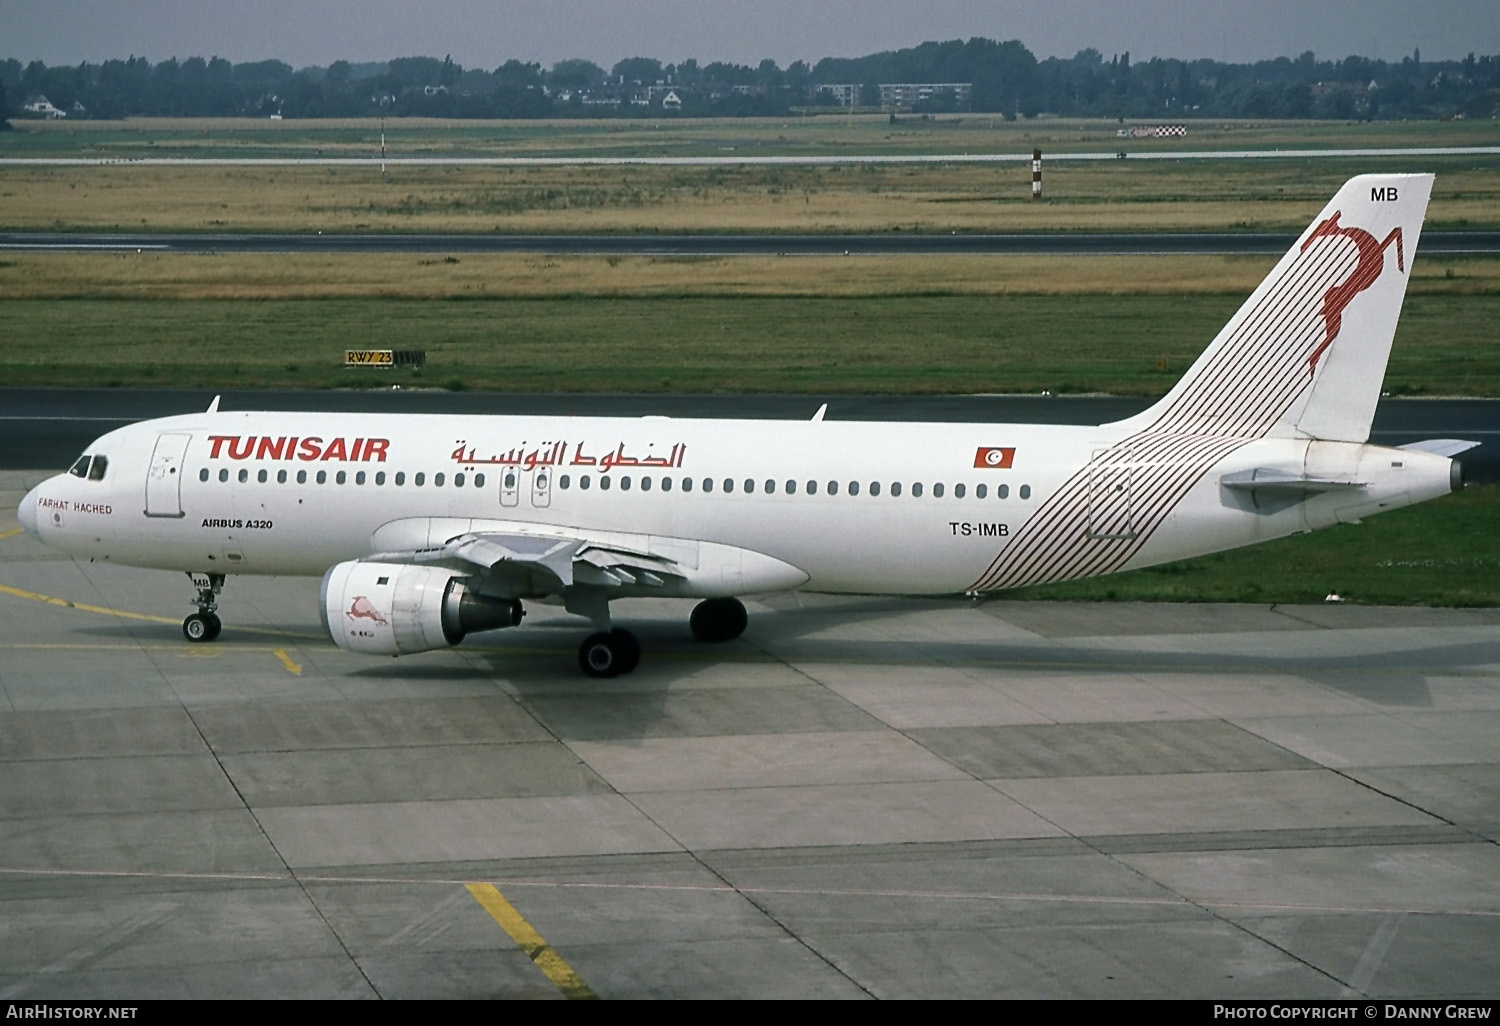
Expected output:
(1439, 446)
(1269, 479)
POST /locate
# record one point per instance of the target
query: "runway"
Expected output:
(46, 428)
(1052, 243)
(1125, 149)
(860, 798)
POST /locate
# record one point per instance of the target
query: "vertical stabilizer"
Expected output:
(1305, 356)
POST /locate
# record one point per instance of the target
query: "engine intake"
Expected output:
(398, 608)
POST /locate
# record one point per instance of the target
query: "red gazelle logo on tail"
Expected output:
(1371, 263)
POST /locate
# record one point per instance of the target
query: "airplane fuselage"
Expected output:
(853, 507)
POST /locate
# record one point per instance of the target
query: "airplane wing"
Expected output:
(529, 564)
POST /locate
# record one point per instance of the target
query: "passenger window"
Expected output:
(478, 480)
(937, 491)
(728, 484)
(281, 477)
(833, 487)
(400, 478)
(980, 491)
(645, 484)
(749, 486)
(437, 480)
(322, 477)
(874, 487)
(244, 475)
(203, 474)
(666, 484)
(687, 484)
(791, 487)
(604, 483)
(458, 480)
(625, 483)
(895, 488)
(359, 478)
(100, 465)
(1026, 491)
(340, 478)
(223, 475)
(1002, 492)
(708, 484)
(916, 490)
(302, 477)
(379, 477)
(812, 487)
(564, 482)
(584, 482)
(262, 477)
(419, 480)
(958, 491)
(853, 487)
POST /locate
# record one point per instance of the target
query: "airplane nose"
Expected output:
(26, 512)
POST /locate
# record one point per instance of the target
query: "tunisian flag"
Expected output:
(993, 457)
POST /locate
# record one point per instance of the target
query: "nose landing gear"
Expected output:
(204, 625)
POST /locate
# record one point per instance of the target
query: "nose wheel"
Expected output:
(204, 625)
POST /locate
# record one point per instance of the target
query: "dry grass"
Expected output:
(1253, 195)
(388, 275)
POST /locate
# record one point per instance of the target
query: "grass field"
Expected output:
(1227, 195)
(735, 324)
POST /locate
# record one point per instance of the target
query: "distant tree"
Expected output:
(575, 75)
(643, 70)
(513, 74)
(4, 108)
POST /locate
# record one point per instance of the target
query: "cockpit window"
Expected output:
(90, 467)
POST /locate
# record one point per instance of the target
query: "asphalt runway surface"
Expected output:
(1065, 243)
(861, 797)
(46, 428)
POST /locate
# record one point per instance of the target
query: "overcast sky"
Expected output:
(486, 33)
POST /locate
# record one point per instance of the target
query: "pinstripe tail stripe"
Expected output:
(1248, 381)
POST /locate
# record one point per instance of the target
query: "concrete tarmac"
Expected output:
(862, 797)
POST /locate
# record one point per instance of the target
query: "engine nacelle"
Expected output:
(399, 608)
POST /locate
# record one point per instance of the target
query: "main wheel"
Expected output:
(201, 627)
(628, 646)
(720, 619)
(599, 656)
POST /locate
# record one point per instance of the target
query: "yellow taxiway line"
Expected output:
(529, 941)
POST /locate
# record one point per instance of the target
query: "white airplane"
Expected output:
(428, 528)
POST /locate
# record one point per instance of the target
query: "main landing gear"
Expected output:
(718, 619)
(204, 625)
(617, 652)
(609, 653)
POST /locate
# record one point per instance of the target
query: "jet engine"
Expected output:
(399, 608)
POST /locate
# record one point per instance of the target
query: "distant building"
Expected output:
(42, 107)
(901, 95)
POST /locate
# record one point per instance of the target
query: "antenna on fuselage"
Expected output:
(819, 415)
(213, 407)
